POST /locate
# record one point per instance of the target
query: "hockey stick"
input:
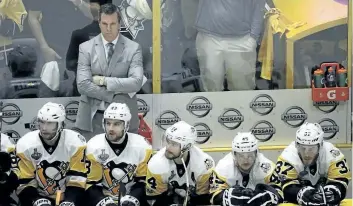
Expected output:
(58, 197)
(187, 181)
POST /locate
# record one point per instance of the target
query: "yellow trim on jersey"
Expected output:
(95, 171)
(154, 184)
(141, 169)
(26, 168)
(76, 184)
(218, 184)
(286, 171)
(339, 170)
(78, 164)
(203, 184)
(273, 180)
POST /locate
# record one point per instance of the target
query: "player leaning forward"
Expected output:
(180, 172)
(117, 158)
(245, 176)
(314, 172)
(51, 159)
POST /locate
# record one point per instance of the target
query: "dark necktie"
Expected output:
(110, 51)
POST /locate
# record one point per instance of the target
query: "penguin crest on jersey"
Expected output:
(114, 174)
(51, 174)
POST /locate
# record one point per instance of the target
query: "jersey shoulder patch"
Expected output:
(333, 154)
(265, 165)
(200, 158)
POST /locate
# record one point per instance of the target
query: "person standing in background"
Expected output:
(110, 69)
(228, 34)
(81, 35)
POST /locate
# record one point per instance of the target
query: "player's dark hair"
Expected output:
(109, 9)
(22, 61)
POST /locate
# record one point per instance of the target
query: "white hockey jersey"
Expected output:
(163, 174)
(330, 164)
(50, 169)
(8, 146)
(109, 167)
(226, 175)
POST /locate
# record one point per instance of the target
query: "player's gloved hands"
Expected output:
(332, 194)
(42, 202)
(129, 200)
(309, 196)
(236, 196)
(108, 201)
(264, 198)
(265, 195)
(67, 204)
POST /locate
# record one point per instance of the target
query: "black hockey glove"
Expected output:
(236, 196)
(129, 200)
(265, 195)
(42, 202)
(332, 194)
(309, 196)
(108, 201)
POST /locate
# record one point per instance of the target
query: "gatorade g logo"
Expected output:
(329, 127)
(71, 110)
(262, 104)
(263, 130)
(331, 94)
(231, 118)
(142, 107)
(11, 113)
(199, 106)
(166, 119)
(294, 116)
(204, 133)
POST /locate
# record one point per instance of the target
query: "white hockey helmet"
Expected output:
(53, 112)
(118, 111)
(182, 133)
(309, 134)
(244, 142)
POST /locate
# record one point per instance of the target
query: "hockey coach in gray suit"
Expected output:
(109, 70)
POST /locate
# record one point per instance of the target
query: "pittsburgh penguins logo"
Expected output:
(52, 175)
(115, 173)
(181, 189)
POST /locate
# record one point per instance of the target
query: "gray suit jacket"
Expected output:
(123, 75)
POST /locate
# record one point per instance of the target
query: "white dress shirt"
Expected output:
(106, 47)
